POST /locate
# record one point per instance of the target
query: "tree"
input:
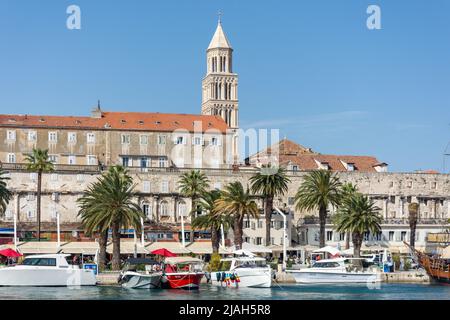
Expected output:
(192, 185)
(237, 202)
(211, 220)
(269, 182)
(5, 194)
(39, 162)
(319, 190)
(358, 215)
(108, 203)
(348, 190)
(413, 209)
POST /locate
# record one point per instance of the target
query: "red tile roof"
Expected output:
(139, 121)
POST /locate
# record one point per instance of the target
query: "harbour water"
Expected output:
(385, 291)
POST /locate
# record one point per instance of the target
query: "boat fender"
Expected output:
(218, 276)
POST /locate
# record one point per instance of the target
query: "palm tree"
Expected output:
(192, 185)
(236, 202)
(269, 182)
(211, 220)
(5, 194)
(108, 203)
(358, 215)
(413, 209)
(348, 190)
(39, 162)
(319, 189)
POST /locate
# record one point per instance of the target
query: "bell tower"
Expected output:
(220, 85)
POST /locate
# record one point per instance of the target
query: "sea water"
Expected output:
(207, 292)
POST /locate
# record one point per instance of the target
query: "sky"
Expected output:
(311, 69)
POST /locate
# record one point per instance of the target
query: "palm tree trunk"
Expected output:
(103, 241)
(268, 214)
(238, 226)
(116, 247)
(193, 214)
(38, 205)
(322, 221)
(357, 242)
(347, 240)
(215, 241)
(412, 234)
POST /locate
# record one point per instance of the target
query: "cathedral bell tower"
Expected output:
(220, 85)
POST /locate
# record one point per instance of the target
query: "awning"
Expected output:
(128, 247)
(87, 248)
(255, 248)
(205, 247)
(36, 247)
(328, 249)
(172, 246)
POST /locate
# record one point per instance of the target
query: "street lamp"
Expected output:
(284, 237)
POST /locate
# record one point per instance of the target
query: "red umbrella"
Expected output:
(10, 253)
(164, 252)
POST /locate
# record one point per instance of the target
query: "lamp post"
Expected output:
(223, 235)
(15, 231)
(284, 237)
(58, 230)
(142, 233)
(182, 232)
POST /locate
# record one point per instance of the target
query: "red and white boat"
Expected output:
(182, 273)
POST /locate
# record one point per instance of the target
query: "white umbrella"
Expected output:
(328, 249)
(243, 252)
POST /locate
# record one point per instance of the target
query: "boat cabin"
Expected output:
(242, 262)
(47, 260)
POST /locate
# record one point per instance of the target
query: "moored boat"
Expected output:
(330, 271)
(238, 272)
(49, 270)
(182, 273)
(150, 278)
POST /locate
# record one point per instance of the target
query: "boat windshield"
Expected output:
(251, 263)
(326, 265)
(44, 262)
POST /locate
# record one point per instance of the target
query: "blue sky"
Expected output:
(310, 68)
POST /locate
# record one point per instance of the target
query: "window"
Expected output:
(161, 139)
(71, 160)
(125, 139)
(143, 139)
(366, 236)
(144, 162)
(44, 262)
(272, 240)
(162, 162)
(146, 209)
(260, 224)
(259, 240)
(295, 168)
(32, 136)
(53, 159)
(246, 224)
(350, 167)
(392, 199)
(30, 214)
(164, 208)
(52, 137)
(146, 186)
(409, 184)
(329, 235)
(11, 135)
(72, 137)
(341, 236)
(403, 236)
(391, 184)
(179, 140)
(91, 160)
(247, 239)
(164, 186)
(391, 235)
(125, 162)
(197, 141)
(8, 214)
(215, 141)
(91, 137)
(182, 209)
(433, 185)
(11, 158)
(30, 196)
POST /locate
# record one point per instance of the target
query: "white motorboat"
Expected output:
(150, 278)
(49, 270)
(338, 270)
(243, 272)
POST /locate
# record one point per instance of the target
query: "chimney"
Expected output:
(96, 111)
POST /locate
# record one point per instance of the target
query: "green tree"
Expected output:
(108, 203)
(413, 209)
(39, 163)
(319, 190)
(270, 182)
(192, 185)
(358, 215)
(237, 202)
(348, 190)
(211, 220)
(5, 193)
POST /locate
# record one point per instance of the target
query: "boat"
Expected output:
(438, 268)
(337, 270)
(239, 272)
(182, 273)
(47, 270)
(149, 278)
